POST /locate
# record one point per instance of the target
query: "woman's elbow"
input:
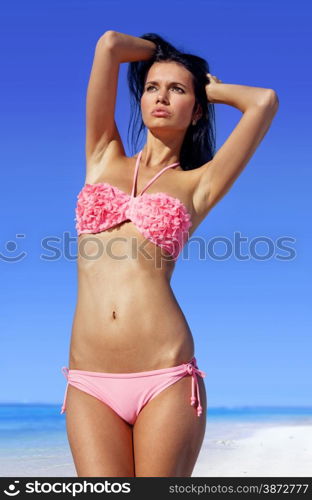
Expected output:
(270, 98)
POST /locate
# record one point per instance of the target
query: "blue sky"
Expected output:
(249, 318)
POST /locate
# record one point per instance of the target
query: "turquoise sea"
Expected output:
(33, 439)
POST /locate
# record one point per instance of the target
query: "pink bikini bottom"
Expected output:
(128, 393)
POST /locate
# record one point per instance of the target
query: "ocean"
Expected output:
(33, 439)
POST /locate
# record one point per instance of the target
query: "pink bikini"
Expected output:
(128, 393)
(165, 221)
(161, 218)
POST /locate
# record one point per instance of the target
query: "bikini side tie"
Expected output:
(65, 371)
(192, 369)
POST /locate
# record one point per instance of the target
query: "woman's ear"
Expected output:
(198, 112)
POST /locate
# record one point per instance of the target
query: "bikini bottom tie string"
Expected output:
(194, 371)
(65, 371)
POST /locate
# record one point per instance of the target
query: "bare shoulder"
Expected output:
(114, 156)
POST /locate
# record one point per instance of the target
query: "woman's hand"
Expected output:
(210, 87)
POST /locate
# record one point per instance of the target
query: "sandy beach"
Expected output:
(270, 450)
(237, 449)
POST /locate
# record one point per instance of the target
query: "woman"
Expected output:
(135, 399)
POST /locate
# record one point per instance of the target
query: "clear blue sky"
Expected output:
(249, 318)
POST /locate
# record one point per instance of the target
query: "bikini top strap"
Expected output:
(136, 172)
(153, 179)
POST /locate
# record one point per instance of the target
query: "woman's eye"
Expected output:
(174, 87)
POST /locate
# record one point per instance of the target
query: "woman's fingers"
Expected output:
(214, 77)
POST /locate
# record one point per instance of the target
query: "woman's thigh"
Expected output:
(100, 440)
(168, 434)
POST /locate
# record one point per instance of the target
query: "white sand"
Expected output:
(277, 450)
(230, 449)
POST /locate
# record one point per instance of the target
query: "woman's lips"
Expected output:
(160, 113)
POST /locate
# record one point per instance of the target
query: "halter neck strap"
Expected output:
(152, 180)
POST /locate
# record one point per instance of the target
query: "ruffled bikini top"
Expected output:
(161, 218)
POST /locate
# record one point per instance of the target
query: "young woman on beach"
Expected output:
(135, 398)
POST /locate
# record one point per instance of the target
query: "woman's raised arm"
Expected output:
(101, 99)
(111, 49)
(259, 106)
(132, 48)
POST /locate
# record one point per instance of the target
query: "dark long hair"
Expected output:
(199, 142)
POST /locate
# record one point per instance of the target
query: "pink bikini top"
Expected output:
(161, 218)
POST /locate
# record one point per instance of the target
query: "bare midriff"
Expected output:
(127, 318)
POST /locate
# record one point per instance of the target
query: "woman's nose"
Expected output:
(161, 98)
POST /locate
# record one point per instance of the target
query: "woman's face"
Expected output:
(168, 85)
